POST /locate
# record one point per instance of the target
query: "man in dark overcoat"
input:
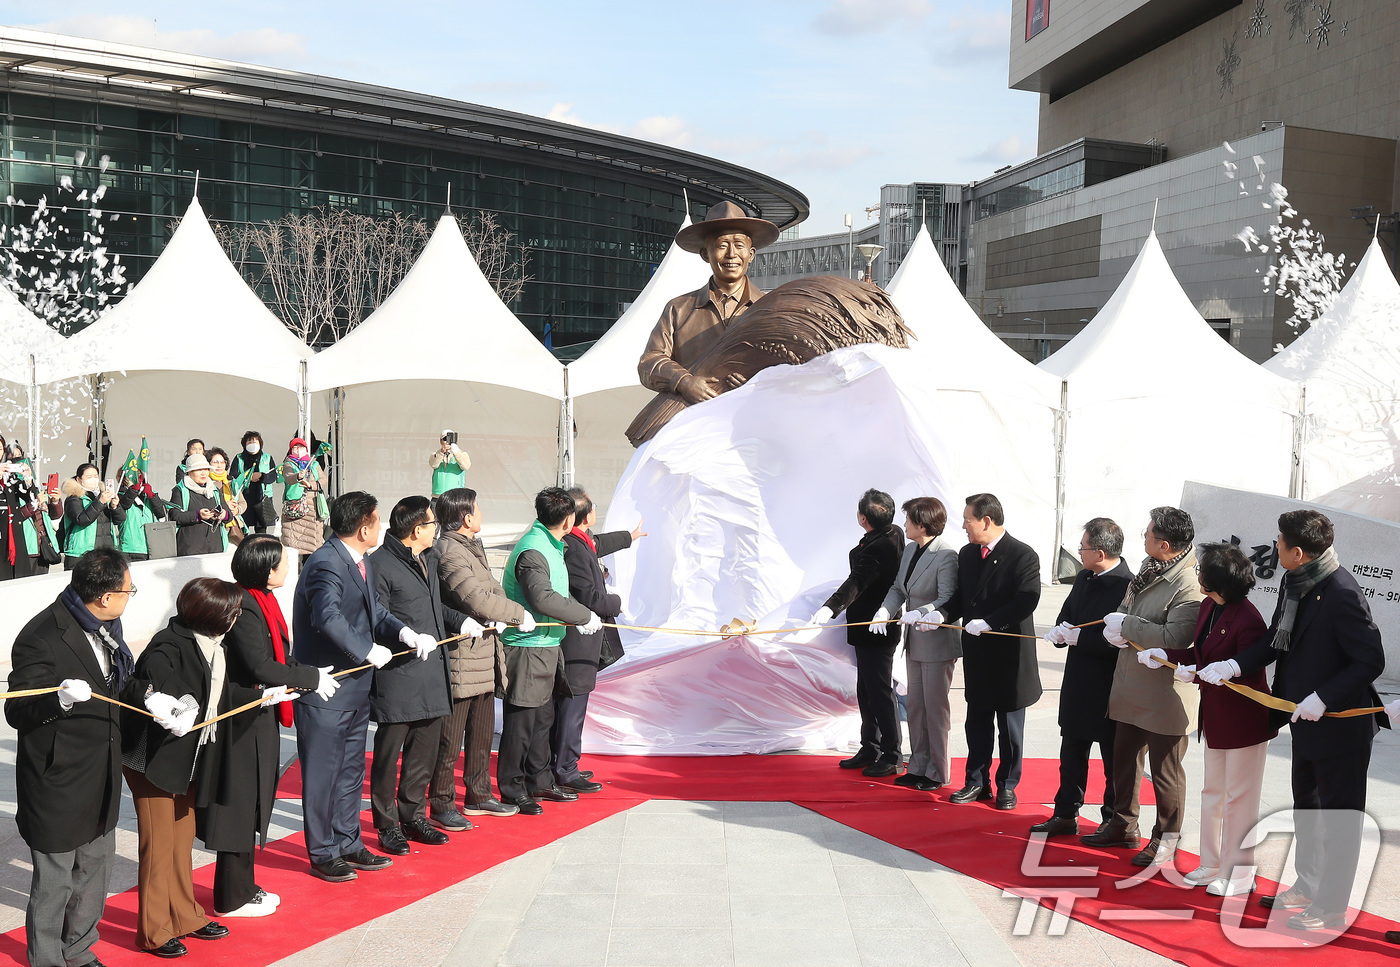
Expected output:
(998, 590)
(68, 775)
(1088, 677)
(411, 696)
(1328, 652)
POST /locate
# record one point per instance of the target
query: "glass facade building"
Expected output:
(591, 213)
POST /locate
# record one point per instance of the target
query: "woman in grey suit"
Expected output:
(927, 578)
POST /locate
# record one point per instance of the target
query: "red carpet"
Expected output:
(974, 839)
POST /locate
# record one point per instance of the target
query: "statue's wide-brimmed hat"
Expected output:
(724, 219)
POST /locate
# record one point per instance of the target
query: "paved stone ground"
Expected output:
(703, 883)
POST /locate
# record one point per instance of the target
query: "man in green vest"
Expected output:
(537, 577)
(450, 464)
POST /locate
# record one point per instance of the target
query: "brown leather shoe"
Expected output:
(1314, 919)
(1114, 836)
(1290, 899)
(1148, 855)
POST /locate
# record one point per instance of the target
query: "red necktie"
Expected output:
(986, 550)
(364, 575)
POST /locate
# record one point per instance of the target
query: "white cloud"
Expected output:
(843, 17)
(564, 114)
(1007, 151)
(262, 46)
(974, 36)
(662, 129)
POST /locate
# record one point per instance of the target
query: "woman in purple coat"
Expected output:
(1237, 729)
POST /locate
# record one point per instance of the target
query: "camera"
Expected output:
(449, 437)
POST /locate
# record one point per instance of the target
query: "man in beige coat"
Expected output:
(476, 665)
(1154, 713)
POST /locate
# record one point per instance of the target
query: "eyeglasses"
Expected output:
(1085, 550)
(428, 523)
(130, 590)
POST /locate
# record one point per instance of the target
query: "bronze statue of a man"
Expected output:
(692, 323)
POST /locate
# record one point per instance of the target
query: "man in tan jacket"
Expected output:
(476, 665)
(1154, 713)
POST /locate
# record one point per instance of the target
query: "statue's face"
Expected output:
(729, 256)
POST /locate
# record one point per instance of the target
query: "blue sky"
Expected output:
(835, 97)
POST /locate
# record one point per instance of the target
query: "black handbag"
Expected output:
(48, 553)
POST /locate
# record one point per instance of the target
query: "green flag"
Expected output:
(143, 463)
(322, 448)
(132, 470)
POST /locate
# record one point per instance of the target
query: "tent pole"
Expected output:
(303, 403)
(32, 448)
(337, 435)
(1061, 432)
(566, 435)
(1297, 484)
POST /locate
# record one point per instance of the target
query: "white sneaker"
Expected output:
(1227, 887)
(256, 907)
(265, 897)
(1200, 876)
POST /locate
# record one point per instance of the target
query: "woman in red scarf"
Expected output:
(258, 650)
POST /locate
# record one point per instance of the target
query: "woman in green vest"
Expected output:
(303, 502)
(450, 464)
(142, 507)
(92, 515)
(23, 511)
(254, 473)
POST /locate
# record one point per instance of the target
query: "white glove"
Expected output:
(1113, 621)
(1219, 671)
(72, 691)
(592, 626)
(907, 618)
(499, 626)
(472, 628)
(379, 656)
(1186, 674)
(527, 623)
(326, 686)
(932, 619)
(1071, 633)
(1055, 636)
(1393, 710)
(426, 645)
(1310, 709)
(1114, 638)
(880, 621)
(277, 695)
(823, 615)
(977, 627)
(184, 721)
(162, 708)
(1152, 658)
(452, 448)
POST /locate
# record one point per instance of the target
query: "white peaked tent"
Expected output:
(191, 351)
(443, 352)
(1155, 397)
(603, 385)
(29, 344)
(1348, 362)
(997, 410)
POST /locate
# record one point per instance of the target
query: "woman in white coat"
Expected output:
(925, 582)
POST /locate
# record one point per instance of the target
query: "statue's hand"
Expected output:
(694, 390)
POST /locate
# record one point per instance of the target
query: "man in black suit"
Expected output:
(874, 566)
(336, 618)
(1328, 652)
(1088, 677)
(68, 777)
(998, 589)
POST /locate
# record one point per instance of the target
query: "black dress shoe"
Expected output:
(971, 794)
(419, 831)
(1006, 799)
(556, 794)
(909, 780)
(881, 767)
(210, 931)
(527, 806)
(363, 859)
(1148, 854)
(1290, 899)
(94, 962)
(860, 760)
(392, 841)
(1392, 936)
(1058, 826)
(582, 784)
(1111, 834)
(171, 948)
(336, 871)
(586, 773)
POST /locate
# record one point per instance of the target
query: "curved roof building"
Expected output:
(594, 211)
